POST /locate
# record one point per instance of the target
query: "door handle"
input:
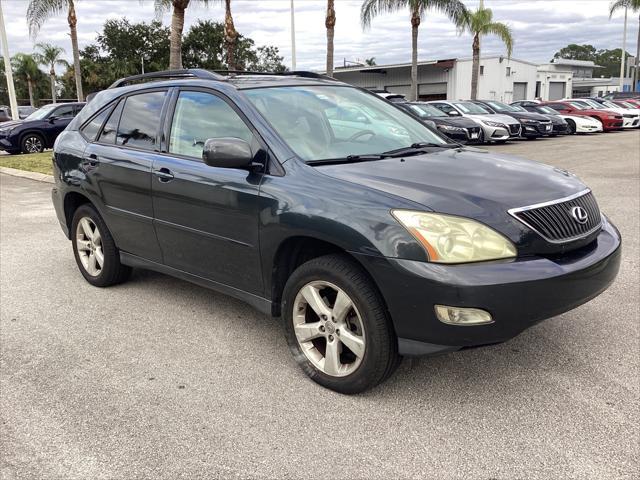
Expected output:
(92, 162)
(164, 175)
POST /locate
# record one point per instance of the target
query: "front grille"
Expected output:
(471, 131)
(555, 222)
(514, 128)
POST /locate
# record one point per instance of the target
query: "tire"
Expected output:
(88, 249)
(32, 143)
(366, 320)
(571, 127)
(501, 142)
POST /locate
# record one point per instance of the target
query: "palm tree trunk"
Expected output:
(52, 76)
(177, 24)
(30, 88)
(73, 22)
(475, 67)
(330, 23)
(230, 36)
(415, 23)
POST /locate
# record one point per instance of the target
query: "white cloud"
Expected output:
(541, 27)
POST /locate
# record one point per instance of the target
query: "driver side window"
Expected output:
(66, 111)
(199, 116)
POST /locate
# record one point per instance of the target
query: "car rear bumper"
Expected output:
(517, 294)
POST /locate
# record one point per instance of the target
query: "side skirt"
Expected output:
(259, 303)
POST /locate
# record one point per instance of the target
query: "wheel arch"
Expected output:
(72, 201)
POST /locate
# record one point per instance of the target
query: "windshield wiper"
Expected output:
(417, 148)
(414, 149)
(350, 158)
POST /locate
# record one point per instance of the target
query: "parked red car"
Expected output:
(610, 120)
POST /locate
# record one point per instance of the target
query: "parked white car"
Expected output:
(577, 124)
(630, 118)
(495, 127)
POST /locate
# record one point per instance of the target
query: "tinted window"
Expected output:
(140, 120)
(65, 111)
(199, 116)
(91, 129)
(108, 134)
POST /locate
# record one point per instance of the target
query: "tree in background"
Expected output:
(330, 24)
(609, 60)
(25, 68)
(370, 62)
(479, 24)
(39, 11)
(49, 56)
(454, 9)
(634, 6)
(177, 25)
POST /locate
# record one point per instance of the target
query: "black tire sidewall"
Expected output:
(381, 346)
(31, 135)
(111, 269)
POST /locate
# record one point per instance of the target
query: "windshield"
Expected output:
(627, 105)
(335, 122)
(547, 110)
(518, 108)
(41, 112)
(610, 105)
(500, 107)
(594, 104)
(580, 105)
(426, 111)
(468, 107)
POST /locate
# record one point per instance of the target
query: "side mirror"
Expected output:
(53, 119)
(454, 113)
(227, 152)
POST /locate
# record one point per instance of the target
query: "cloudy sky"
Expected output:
(541, 27)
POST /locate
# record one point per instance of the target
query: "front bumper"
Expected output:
(517, 294)
(536, 129)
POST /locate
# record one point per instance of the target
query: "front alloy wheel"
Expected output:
(32, 144)
(329, 328)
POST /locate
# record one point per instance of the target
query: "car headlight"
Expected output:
(450, 128)
(450, 239)
(528, 120)
(494, 124)
(6, 131)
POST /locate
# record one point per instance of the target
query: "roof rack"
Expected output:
(296, 73)
(166, 74)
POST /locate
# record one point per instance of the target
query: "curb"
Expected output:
(39, 177)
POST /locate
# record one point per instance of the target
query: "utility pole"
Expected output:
(624, 49)
(7, 67)
(293, 38)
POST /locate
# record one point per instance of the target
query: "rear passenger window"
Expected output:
(91, 129)
(140, 120)
(199, 116)
(108, 134)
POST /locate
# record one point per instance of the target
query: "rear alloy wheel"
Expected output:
(94, 249)
(337, 325)
(571, 127)
(32, 143)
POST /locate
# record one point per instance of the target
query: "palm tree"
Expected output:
(230, 36)
(370, 62)
(330, 24)
(478, 24)
(454, 9)
(634, 5)
(26, 67)
(39, 11)
(177, 25)
(49, 56)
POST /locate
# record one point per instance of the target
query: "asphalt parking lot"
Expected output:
(158, 378)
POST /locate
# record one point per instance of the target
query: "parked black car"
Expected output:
(559, 125)
(461, 129)
(533, 125)
(39, 130)
(371, 241)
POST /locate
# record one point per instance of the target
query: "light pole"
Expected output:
(7, 68)
(624, 49)
(293, 38)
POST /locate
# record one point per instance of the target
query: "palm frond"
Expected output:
(453, 9)
(372, 8)
(39, 11)
(503, 32)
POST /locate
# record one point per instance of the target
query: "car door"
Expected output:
(58, 120)
(118, 165)
(206, 218)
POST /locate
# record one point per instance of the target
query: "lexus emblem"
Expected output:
(580, 215)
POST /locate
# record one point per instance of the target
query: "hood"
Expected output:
(463, 122)
(10, 124)
(482, 186)
(555, 119)
(494, 117)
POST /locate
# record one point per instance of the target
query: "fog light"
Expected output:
(462, 316)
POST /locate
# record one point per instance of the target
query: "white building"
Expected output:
(500, 78)
(586, 82)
